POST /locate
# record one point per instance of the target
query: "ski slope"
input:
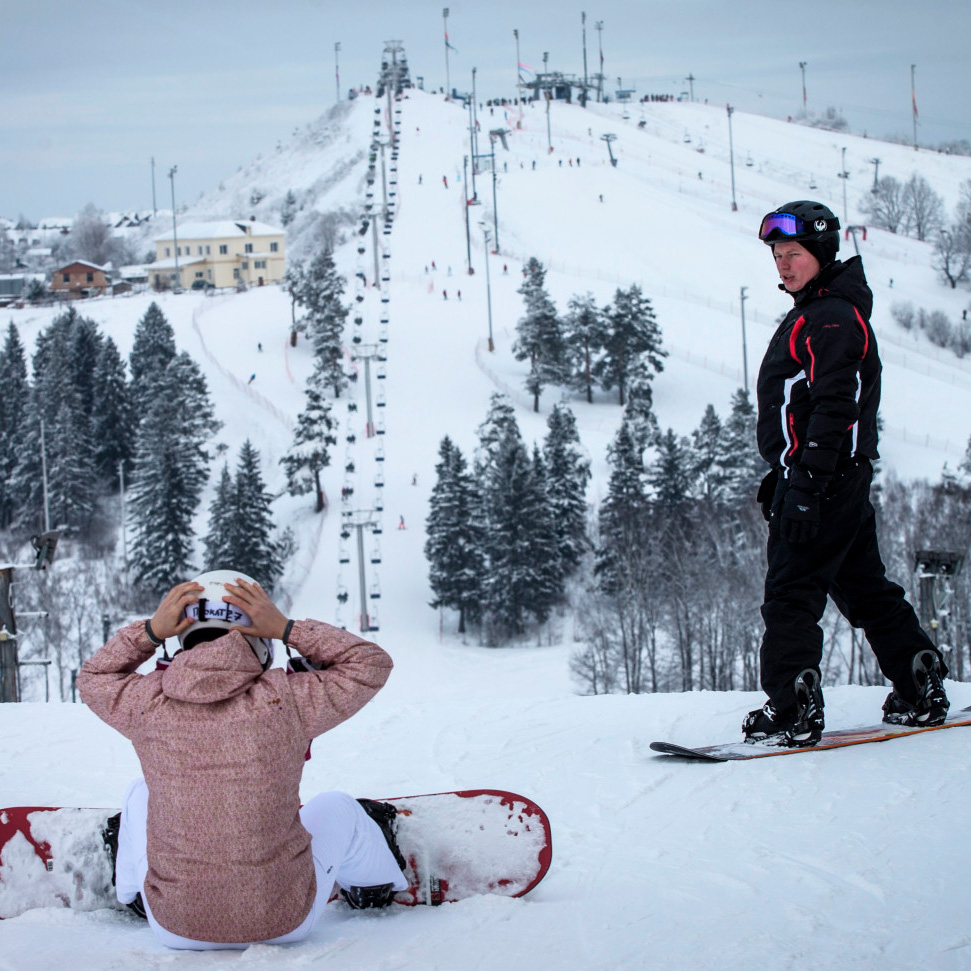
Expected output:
(848, 859)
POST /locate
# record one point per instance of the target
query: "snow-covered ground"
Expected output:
(848, 859)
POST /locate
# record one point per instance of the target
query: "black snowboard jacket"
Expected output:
(819, 383)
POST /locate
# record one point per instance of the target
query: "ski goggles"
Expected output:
(777, 225)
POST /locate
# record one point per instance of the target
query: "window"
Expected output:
(198, 274)
(199, 248)
(245, 264)
(235, 273)
(90, 278)
(274, 247)
(168, 251)
(259, 264)
(208, 249)
(66, 278)
(248, 248)
(223, 249)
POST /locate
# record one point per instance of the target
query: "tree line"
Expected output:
(77, 428)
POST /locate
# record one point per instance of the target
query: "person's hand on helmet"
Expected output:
(169, 618)
(267, 619)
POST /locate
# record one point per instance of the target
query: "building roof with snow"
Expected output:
(223, 229)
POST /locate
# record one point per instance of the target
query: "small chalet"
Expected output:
(80, 279)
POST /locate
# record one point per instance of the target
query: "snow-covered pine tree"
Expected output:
(632, 341)
(219, 544)
(583, 329)
(517, 582)
(171, 469)
(669, 476)
(707, 475)
(257, 553)
(318, 288)
(639, 412)
(112, 417)
(288, 209)
(742, 466)
(454, 544)
(308, 456)
(499, 421)
(153, 346)
(59, 413)
(622, 518)
(14, 394)
(540, 336)
(567, 475)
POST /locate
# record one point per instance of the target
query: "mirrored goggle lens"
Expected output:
(780, 224)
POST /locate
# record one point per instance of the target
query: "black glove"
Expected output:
(799, 521)
(766, 492)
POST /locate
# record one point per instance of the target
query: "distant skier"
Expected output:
(401, 522)
(252, 378)
(818, 396)
(445, 294)
(213, 843)
(259, 347)
(445, 181)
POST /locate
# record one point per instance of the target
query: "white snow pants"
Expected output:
(348, 849)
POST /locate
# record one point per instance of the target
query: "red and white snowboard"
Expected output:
(457, 845)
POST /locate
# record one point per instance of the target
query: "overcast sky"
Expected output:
(89, 93)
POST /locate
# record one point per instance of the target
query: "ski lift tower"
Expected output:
(609, 137)
(360, 520)
(10, 663)
(935, 570)
(367, 353)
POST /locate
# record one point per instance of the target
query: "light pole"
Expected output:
(485, 238)
(337, 69)
(546, 82)
(599, 27)
(731, 156)
(743, 298)
(875, 162)
(465, 193)
(802, 68)
(472, 150)
(495, 208)
(844, 175)
(175, 237)
(519, 70)
(448, 83)
(913, 102)
(154, 207)
(583, 24)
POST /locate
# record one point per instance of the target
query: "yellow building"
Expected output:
(219, 254)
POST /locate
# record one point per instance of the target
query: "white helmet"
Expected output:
(213, 616)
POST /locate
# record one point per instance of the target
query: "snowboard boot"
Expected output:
(110, 836)
(382, 895)
(798, 726)
(930, 703)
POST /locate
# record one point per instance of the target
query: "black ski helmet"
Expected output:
(811, 224)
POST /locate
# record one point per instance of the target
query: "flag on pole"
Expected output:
(525, 69)
(913, 100)
(448, 43)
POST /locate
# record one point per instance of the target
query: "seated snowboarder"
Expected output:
(213, 840)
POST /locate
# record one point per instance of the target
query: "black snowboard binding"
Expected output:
(931, 704)
(382, 895)
(798, 726)
(110, 836)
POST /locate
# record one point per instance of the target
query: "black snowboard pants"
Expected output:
(842, 561)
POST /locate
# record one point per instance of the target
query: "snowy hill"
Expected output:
(846, 859)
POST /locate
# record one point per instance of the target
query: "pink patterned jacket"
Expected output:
(222, 747)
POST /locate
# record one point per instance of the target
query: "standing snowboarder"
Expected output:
(818, 394)
(213, 843)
